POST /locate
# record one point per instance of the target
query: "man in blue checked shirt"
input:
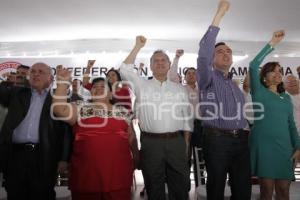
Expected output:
(226, 140)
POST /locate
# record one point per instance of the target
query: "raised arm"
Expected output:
(127, 68)
(61, 108)
(140, 42)
(256, 62)
(86, 75)
(223, 7)
(172, 73)
(207, 46)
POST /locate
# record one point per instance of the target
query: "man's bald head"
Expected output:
(40, 76)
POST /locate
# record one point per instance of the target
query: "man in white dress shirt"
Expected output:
(291, 85)
(166, 122)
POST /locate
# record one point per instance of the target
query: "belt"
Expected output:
(25, 147)
(235, 133)
(162, 135)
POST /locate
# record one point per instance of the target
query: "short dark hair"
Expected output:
(220, 44)
(23, 66)
(186, 71)
(270, 67)
(101, 79)
(96, 80)
(76, 79)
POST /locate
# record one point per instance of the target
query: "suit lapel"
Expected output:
(26, 101)
(45, 119)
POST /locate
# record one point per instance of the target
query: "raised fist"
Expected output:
(140, 41)
(179, 53)
(223, 7)
(91, 63)
(62, 74)
(277, 37)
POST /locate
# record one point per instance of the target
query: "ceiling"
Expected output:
(59, 27)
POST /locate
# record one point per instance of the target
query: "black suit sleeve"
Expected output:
(5, 93)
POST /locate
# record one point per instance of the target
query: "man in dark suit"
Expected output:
(31, 141)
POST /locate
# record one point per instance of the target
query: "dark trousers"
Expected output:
(164, 160)
(197, 141)
(23, 180)
(224, 155)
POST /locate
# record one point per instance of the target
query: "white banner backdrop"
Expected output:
(105, 61)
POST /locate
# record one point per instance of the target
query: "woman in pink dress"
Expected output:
(105, 145)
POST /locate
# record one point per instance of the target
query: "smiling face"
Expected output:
(112, 77)
(274, 77)
(40, 76)
(223, 57)
(160, 64)
(100, 91)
